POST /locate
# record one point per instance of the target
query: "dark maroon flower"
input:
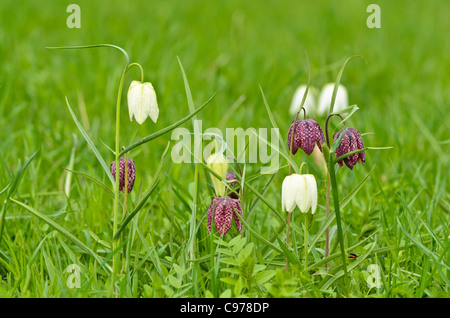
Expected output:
(234, 185)
(131, 171)
(307, 133)
(223, 210)
(351, 141)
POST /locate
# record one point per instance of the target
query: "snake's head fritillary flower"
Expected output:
(223, 211)
(299, 190)
(351, 141)
(131, 172)
(234, 185)
(218, 163)
(326, 93)
(307, 133)
(142, 102)
(310, 104)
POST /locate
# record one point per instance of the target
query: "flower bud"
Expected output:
(299, 190)
(234, 185)
(218, 163)
(326, 94)
(131, 172)
(223, 211)
(351, 141)
(142, 102)
(307, 133)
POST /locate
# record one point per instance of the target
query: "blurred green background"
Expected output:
(231, 47)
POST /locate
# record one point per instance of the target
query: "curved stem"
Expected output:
(90, 47)
(326, 127)
(301, 167)
(138, 65)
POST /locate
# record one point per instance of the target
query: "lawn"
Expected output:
(242, 61)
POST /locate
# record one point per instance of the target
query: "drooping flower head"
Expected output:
(307, 133)
(131, 172)
(351, 141)
(234, 185)
(142, 102)
(299, 190)
(223, 211)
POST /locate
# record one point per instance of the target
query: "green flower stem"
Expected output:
(287, 238)
(116, 187)
(338, 214)
(138, 65)
(306, 243)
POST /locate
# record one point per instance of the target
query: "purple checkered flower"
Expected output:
(307, 133)
(131, 171)
(223, 211)
(351, 141)
(234, 185)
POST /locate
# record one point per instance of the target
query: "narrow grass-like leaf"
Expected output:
(155, 182)
(342, 204)
(258, 236)
(97, 154)
(61, 230)
(12, 187)
(328, 280)
(423, 248)
(348, 154)
(95, 180)
(167, 129)
(287, 252)
(338, 80)
(192, 222)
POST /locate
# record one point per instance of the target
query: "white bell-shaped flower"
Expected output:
(142, 102)
(299, 190)
(340, 102)
(310, 104)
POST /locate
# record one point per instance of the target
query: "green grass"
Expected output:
(398, 219)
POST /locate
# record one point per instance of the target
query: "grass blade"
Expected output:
(61, 230)
(12, 189)
(167, 129)
(91, 144)
(141, 203)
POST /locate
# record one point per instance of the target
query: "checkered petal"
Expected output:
(306, 133)
(131, 172)
(351, 141)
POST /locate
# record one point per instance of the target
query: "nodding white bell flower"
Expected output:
(142, 102)
(299, 190)
(218, 163)
(340, 102)
(310, 104)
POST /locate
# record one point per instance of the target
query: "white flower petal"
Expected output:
(311, 189)
(302, 199)
(142, 102)
(290, 188)
(132, 98)
(153, 110)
